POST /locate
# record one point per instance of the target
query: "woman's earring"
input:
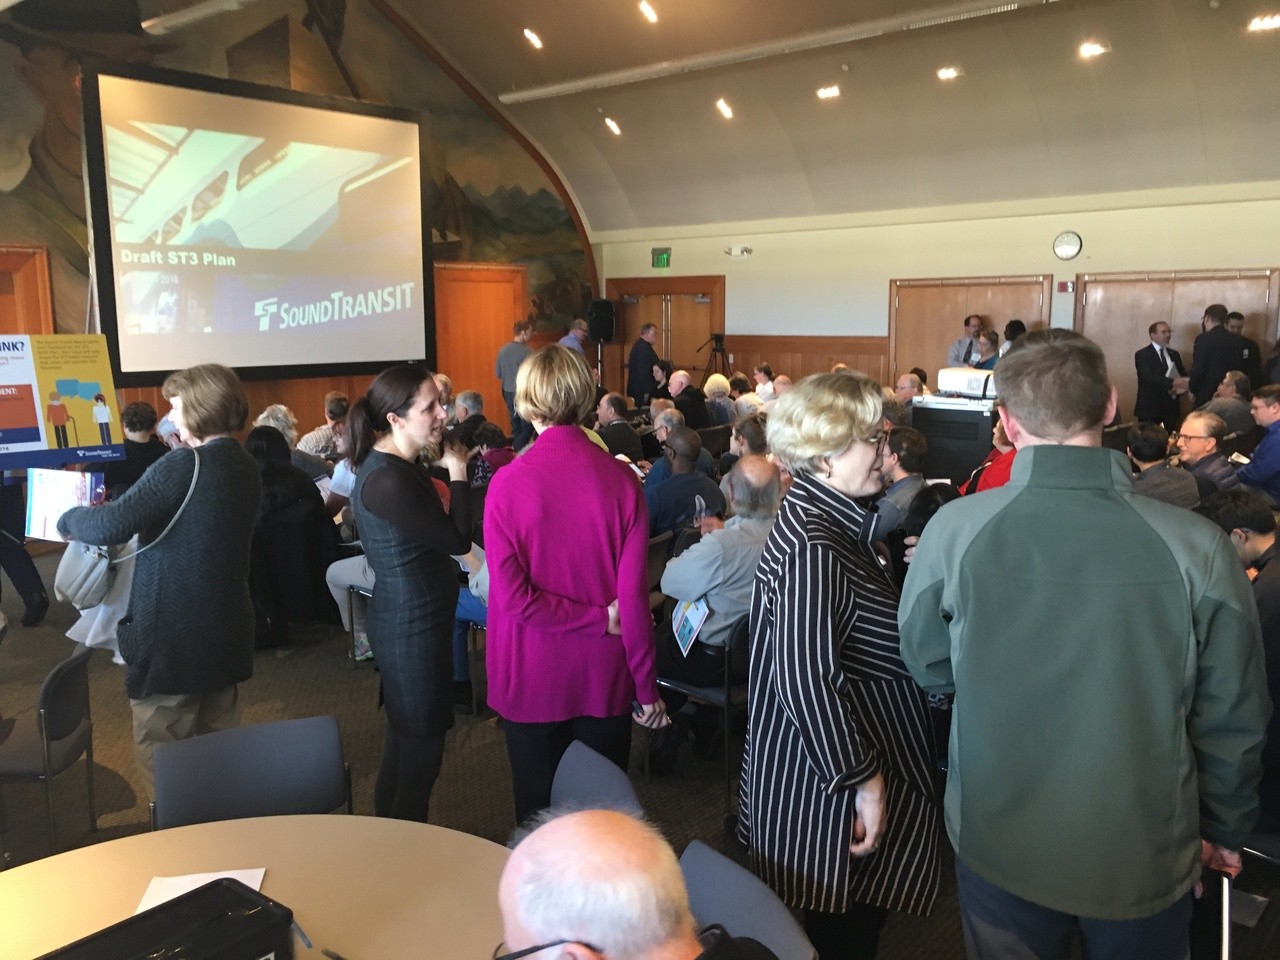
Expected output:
(828, 473)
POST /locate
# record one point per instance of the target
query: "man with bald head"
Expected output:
(687, 492)
(689, 400)
(599, 883)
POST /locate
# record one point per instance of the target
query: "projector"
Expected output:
(965, 382)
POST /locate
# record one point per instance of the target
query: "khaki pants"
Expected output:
(164, 718)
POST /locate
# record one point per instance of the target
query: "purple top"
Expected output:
(555, 564)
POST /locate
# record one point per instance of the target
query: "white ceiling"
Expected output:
(1187, 96)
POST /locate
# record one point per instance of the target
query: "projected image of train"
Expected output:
(175, 186)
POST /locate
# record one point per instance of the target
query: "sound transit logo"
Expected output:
(338, 305)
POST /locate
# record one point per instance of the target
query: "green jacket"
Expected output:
(1110, 693)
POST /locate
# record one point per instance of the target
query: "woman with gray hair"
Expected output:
(838, 803)
(281, 417)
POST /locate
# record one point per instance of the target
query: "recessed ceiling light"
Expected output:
(533, 38)
(613, 125)
(1271, 22)
(950, 73)
(724, 108)
(828, 93)
(648, 11)
(1091, 48)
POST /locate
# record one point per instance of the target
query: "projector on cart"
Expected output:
(965, 382)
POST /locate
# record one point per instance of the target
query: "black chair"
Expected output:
(585, 780)
(266, 770)
(715, 440)
(43, 744)
(726, 698)
(659, 552)
(722, 892)
(1242, 443)
(1116, 436)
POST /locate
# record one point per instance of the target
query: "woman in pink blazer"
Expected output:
(570, 639)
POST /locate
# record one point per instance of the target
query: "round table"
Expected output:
(363, 887)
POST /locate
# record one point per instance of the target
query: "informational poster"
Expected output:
(57, 402)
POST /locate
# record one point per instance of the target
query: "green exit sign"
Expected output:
(661, 258)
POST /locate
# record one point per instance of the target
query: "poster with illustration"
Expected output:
(57, 402)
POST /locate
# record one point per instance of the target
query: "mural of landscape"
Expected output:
(488, 200)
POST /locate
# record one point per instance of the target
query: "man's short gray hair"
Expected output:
(624, 912)
(669, 419)
(471, 400)
(281, 417)
(752, 500)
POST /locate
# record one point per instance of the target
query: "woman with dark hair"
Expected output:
(763, 374)
(282, 482)
(662, 371)
(409, 539)
(1012, 331)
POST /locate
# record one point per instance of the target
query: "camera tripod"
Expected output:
(717, 360)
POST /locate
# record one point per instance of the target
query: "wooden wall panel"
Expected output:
(26, 297)
(800, 356)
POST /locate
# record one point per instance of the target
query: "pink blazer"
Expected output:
(566, 531)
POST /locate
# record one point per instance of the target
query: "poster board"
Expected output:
(57, 402)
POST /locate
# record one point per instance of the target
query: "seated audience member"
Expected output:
(930, 498)
(468, 410)
(763, 375)
(894, 413)
(343, 481)
(908, 387)
(320, 441)
(142, 448)
(1149, 451)
(1198, 452)
(988, 350)
(747, 437)
(1231, 403)
(781, 385)
(840, 368)
(660, 470)
(1012, 331)
(597, 884)
(901, 464)
(719, 404)
(293, 545)
(745, 399)
(995, 470)
(613, 428)
(281, 417)
(650, 442)
(719, 569)
(1262, 472)
(923, 378)
(687, 492)
(1247, 518)
(495, 453)
(690, 401)
(662, 371)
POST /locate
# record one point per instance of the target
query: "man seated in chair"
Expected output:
(686, 494)
(720, 570)
(599, 883)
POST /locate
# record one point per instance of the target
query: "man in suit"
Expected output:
(1162, 379)
(1253, 359)
(640, 382)
(1216, 352)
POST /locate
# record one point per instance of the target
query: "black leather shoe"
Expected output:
(37, 607)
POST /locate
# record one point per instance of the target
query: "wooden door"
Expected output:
(26, 297)
(927, 316)
(686, 310)
(1116, 310)
(476, 306)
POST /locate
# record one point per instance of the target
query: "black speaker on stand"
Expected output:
(601, 321)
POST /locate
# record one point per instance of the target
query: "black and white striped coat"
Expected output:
(830, 704)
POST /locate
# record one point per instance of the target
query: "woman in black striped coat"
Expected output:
(838, 802)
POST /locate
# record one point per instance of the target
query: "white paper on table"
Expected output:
(163, 889)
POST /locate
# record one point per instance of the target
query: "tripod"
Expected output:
(717, 360)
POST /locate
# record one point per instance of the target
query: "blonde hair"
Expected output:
(554, 385)
(820, 416)
(717, 385)
(213, 399)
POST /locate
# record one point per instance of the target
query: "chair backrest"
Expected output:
(722, 892)
(715, 440)
(271, 769)
(64, 697)
(739, 646)
(585, 780)
(659, 547)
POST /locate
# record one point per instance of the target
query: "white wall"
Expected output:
(830, 276)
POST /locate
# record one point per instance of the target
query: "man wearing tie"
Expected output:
(1162, 379)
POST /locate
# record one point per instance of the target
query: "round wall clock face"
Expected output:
(1067, 245)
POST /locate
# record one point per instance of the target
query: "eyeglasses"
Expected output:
(1189, 436)
(877, 440)
(528, 951)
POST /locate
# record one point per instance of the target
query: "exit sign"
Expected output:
(661, 258)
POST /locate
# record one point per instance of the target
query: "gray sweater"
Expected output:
(189, 628)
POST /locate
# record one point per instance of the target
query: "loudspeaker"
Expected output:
(600, 320)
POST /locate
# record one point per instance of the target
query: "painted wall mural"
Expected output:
(488, 200)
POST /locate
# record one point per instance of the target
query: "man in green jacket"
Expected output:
(1106, 661)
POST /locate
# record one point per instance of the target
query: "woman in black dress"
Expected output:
(409, 539)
